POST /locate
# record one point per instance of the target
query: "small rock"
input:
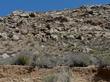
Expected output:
(20, 13)
(55, 37)
(15, 13)
(13, 55)
(86, 49)
(53, 30)
(24, 15)
(71, 36)
(4, 35)
(1, 19)
(42, 46)
(5, 55)
(24, 31)
(32, 14)
(15, 37)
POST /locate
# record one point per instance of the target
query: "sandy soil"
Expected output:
(26, 74)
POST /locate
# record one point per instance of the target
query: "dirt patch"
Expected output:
(24, 74)
(102, 74)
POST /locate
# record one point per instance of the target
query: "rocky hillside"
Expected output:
(57, 37)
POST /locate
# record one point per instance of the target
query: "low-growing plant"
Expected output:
(63, 74)
(78, 60)
(45, 61)
(49, 78)
(22, 60)
(105, 60)
(81, 61)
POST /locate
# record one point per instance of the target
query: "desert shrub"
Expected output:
(46, 61)
(33, 63)
(22, 60)
(63, 74)
(96, 60)
(61, 19)
(105, 60)
(49, 78)
(81, 60)
(100, 60)
(76, 60)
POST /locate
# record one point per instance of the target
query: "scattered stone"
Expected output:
(24, 15)
(3, 35)
(24, 31)
(5, 55)
(83, 30)
(1, 19)
(17, 13)
(15, 37)
(13, 55)
(55, 37)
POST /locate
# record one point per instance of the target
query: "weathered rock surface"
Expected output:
(59, 31)
(85, 30)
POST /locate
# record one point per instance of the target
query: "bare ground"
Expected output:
(26, 74)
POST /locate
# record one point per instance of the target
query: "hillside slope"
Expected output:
(57, 36)
(71, 45)
(86, 26)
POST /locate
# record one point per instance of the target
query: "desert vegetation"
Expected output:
(71, 45)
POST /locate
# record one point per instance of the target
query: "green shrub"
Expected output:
(22, 60)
